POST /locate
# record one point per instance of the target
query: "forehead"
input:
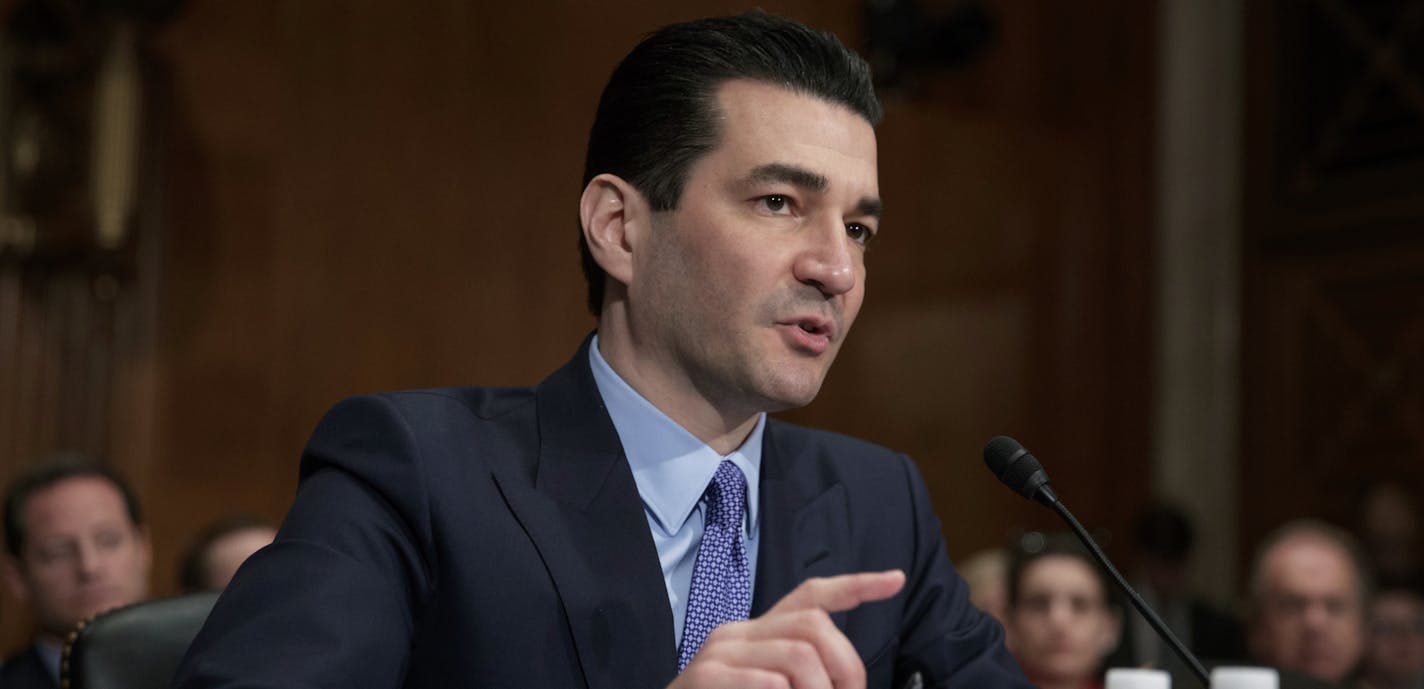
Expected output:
(73, 503)
(762, 122)
(1310, 565)
(1059, 573)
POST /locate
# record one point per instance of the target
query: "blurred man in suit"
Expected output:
(1164, 540)
(1388, 516)
(76, 547)
(219, 549)
(1309, 590)
(636, 520)
(1394, 657)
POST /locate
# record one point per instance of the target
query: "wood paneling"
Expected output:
(1334, 258)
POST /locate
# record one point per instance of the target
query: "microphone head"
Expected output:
(1018, 469)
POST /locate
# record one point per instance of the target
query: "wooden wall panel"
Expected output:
(1333, 347)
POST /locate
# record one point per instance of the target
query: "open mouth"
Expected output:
(810, 334)
(815, 326)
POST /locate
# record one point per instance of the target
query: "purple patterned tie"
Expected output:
(721, 588)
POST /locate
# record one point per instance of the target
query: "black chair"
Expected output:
(136, 646)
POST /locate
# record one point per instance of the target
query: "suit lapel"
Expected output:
(586, 519)
(805, 528)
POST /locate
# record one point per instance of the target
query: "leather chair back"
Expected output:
(136, 646)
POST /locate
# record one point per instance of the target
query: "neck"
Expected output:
(668, 387)
(1042, 683)
(49, 639)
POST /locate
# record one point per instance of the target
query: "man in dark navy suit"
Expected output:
(636, 520)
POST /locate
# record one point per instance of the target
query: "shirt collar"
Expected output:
(671, 466)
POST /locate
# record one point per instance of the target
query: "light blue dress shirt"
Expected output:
(672, 469)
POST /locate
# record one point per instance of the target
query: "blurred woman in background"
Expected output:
(1062, 620)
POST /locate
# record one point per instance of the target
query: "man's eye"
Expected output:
(109, 540)
(52, 553)
(859, 233)
(775, 204)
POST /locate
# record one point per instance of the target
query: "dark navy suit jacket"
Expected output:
(25, 670)
(495, 538)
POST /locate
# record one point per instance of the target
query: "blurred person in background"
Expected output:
(987, 573)
(1062, 618)
(1394, 653)
(1164, 541)
(220, 548)
(1389, 532)
(76, 546)
(1309, 589)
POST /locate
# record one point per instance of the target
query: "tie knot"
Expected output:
(726, 494)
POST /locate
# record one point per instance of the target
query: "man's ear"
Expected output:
(615, 218)
(15, 579)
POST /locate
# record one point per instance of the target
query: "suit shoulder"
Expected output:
(434, 426)
(483, 402)
(838, 445)
(853, 461)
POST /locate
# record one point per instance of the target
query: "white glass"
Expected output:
(1245, 678)
(1137, 678)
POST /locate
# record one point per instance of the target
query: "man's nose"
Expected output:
(89, 560)
(1060, 613)
(828, 262)
(1316, 616)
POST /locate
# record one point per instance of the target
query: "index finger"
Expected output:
(842, 592)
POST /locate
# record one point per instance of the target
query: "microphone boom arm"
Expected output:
(1151, 616)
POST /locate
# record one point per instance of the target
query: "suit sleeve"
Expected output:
(948, 641)
(335, 600)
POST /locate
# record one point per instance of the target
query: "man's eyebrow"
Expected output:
(869, 206)
(790, 174)
(806, 179)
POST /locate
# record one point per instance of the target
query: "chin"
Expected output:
(792, 386)
(783, 397)
(97, 607)
(1328, 671)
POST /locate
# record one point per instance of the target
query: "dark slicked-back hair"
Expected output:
(49, 472)
(658, 113)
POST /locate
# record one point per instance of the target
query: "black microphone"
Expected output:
(1020, 470)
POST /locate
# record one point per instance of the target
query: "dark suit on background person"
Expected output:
(498, 535)
(1214, 637)
(25, 670)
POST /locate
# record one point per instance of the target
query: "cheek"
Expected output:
(856, 297)
(853, 303)
(52, 586)
(51, 573)
(1035, 633)
(1101, 639)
